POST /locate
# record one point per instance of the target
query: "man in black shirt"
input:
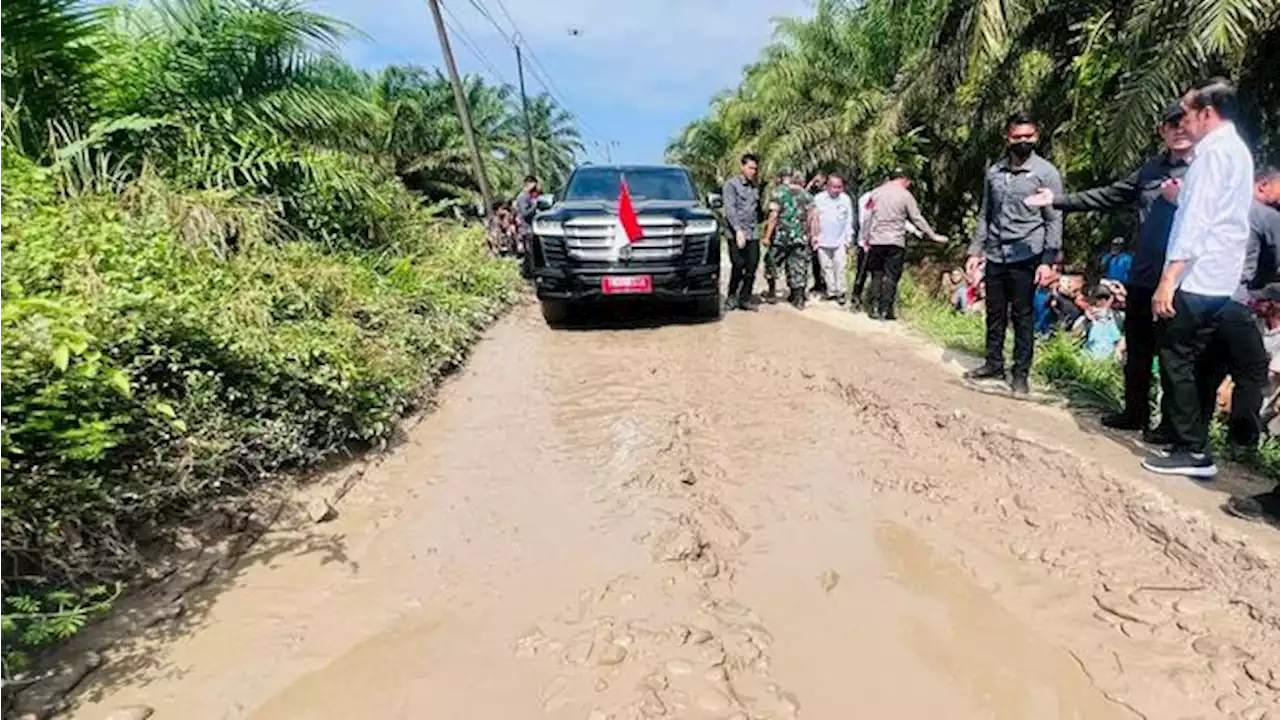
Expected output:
(1148, 190)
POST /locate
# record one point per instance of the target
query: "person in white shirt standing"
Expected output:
(835, 233)
(1202, 269)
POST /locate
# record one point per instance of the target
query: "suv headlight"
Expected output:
(700, 227)
(548, 228)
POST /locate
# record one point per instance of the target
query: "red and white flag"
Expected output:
(627, 230)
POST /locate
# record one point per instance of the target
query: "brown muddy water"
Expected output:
(766, 517)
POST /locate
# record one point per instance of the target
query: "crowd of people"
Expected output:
(1196, 301)
(511, 223)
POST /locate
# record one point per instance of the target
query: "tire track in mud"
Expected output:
(669, 640)
(1178, 609)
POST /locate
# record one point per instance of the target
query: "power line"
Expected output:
(471, 45)
(538, 70)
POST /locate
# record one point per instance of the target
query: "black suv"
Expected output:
(575, 256)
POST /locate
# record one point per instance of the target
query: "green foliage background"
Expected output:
(227, 254)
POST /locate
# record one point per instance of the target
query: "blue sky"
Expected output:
(633, 71)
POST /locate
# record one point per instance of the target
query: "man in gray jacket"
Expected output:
(1019, 243)
(743, 214)
(892, 207)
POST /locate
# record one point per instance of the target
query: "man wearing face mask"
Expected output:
(1019, 243)
(1145, 191)
(1202, 272)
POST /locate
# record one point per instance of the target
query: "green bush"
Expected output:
(1060, 364)
(145, 373)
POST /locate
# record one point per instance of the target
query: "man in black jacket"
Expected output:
(1150, 190)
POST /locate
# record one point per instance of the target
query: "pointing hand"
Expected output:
(1040, 198)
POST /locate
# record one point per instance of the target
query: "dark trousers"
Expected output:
(742, 277)
(1184, 340)
(1236, 350)
(860, 275)
(1140, 351)
(1011, 291)
(884, 263)
(819, 283)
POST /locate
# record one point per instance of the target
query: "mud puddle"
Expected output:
(766, 517)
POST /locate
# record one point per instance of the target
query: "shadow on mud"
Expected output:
(634, 314)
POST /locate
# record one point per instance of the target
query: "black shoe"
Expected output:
(1122, 421)
(730, 303)
(986, 372)
(797, 299)
(891, 316)
(1258, 508)
(1182, 462)
(749, 304)
(841, 300)
(1020, 386)
(771, 295)
(1159, 435)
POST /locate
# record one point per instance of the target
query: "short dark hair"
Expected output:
(899, 174)
(530, 179)
(1217, 93)
(1267, 174)
(835, 176)
(1020, 118)
(498, 205)
(749, 157)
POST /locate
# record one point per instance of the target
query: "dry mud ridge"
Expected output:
(773, 516)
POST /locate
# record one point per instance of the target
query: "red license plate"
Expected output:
(626, 284)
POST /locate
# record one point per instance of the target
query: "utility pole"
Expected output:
(528, 124)
(464, 113)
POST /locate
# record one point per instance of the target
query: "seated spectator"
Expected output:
(951, 282)
(1099, 327)
(1115, 264)
(1055, 305)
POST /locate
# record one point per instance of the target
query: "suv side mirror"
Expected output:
(714, 201)
(546, 201)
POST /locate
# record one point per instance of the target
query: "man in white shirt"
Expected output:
(1202, 270)
(835, 233)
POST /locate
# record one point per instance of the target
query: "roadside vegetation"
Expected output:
(1060, 365)
(927, 85)
(227, 255)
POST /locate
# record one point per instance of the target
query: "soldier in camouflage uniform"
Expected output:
(786, 235)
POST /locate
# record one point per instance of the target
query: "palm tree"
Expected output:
(928, 83)
(556, 140)
(48, 60)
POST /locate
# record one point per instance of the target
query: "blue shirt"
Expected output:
(1042, 311)
(1116, 267)
(1103, 336)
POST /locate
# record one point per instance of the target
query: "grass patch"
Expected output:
(1060, 365)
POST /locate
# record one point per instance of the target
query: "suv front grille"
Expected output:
(589, 239)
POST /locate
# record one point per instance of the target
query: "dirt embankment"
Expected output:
(769, 517)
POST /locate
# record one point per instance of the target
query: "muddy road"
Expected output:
(774, 516)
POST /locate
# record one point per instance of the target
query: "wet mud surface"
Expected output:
(766, 517)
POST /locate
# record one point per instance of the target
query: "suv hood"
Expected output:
(684, 210)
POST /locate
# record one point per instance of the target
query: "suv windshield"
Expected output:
(644, 183)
